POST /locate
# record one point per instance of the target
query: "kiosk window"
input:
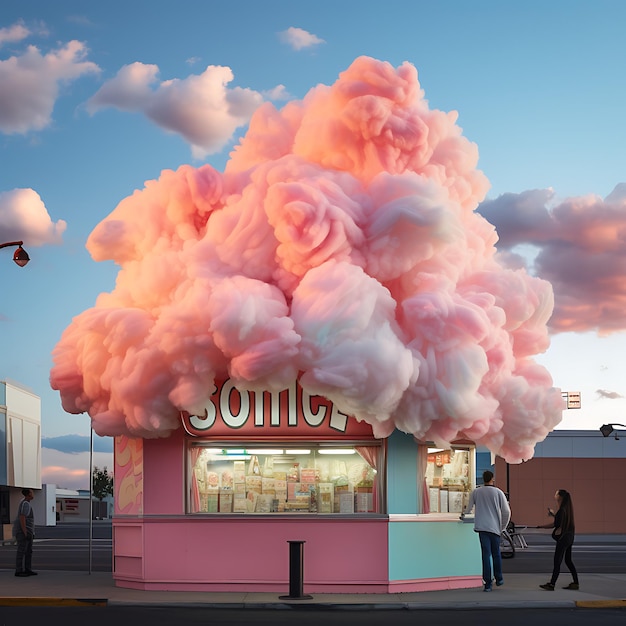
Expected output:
(311, 478)
(449, 479)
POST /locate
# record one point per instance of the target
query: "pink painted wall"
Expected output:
(150, 475)
(164, 475)
(229, 554)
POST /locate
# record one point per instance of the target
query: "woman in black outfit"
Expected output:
(563, 534)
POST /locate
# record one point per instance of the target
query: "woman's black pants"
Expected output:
(562, 550)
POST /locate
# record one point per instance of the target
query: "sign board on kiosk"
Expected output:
(290, 414)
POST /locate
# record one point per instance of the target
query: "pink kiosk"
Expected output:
(224, 503)
(348, 218)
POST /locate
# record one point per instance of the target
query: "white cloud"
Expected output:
(81, 20)
(128, 91)
(23, 216)
(30, 85)
(278, 93)
(611, 395)
(11, 34)
(299, 38)
(200, 107)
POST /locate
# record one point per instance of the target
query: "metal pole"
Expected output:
(90, 495)
(508, 481)
(296, 571)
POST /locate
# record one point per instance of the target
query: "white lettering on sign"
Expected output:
(204, 423)
(234, 421)
(311, 418)
(236, 418)
(338, 420)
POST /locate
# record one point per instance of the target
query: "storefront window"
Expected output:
(309, 478)
(449, 479)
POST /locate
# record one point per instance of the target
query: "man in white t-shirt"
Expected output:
(491, 518)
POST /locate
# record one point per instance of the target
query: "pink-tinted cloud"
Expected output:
(70, 471)
(341, 247)
(579, 245)
(200, 108)
(14, 33)
(23, 216)
(31, 82)
(298, 38)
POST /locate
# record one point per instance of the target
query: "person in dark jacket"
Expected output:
(563, 533)
(24, 531)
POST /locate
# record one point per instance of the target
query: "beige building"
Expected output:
(591, 467)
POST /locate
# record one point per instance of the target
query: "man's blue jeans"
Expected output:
(24, 554)
(490, 548)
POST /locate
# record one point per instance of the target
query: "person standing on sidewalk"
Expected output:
(491, 518)
(563, 533)
(24, 531)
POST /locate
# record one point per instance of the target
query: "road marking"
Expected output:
(575, 548)
(601, 604)
(53, 601)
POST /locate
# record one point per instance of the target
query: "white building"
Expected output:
(73, 506)
(20, 446)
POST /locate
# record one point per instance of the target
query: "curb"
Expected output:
(601, 604)
(377, 606)
(311, 606)
(53, 602)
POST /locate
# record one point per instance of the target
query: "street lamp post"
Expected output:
(607, 429)
(20, 256)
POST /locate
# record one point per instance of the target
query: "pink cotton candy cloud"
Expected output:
(340, 247)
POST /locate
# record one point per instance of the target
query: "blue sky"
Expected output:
(538, 87)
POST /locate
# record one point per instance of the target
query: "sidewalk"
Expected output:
(63, 588)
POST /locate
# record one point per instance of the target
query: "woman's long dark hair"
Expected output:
(567, 523)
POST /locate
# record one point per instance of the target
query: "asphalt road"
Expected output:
(591, 554)
(166, 616)
(67, 547)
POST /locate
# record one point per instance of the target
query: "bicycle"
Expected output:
(507, 546)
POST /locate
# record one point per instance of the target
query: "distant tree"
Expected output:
(102, 483)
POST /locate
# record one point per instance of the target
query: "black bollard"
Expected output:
(296, 571)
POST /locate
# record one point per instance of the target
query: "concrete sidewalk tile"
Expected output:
(61, 588)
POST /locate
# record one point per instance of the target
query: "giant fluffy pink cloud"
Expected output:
(341, 247)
